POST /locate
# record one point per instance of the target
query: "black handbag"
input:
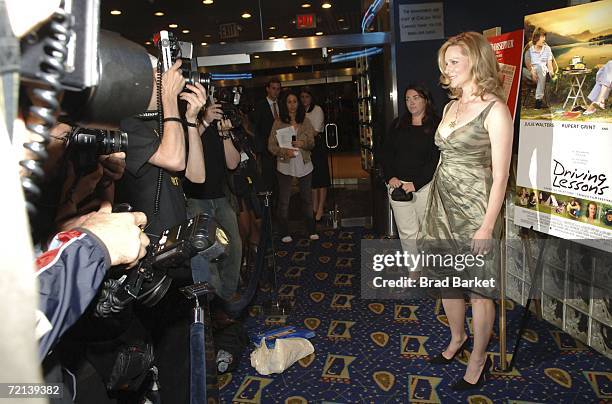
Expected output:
(399, 195)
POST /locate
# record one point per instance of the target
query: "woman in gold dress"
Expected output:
(468, 188)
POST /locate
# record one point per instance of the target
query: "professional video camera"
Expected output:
(148, 285)
(85, 145)
(172, 49)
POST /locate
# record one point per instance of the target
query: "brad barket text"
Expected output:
(425, 282)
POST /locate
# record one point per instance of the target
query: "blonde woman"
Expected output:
(468, 188)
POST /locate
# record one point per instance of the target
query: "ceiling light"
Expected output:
(207, 36)
(345, 28)
(293, 53)
(340, 19)
(207, 2)
(326, 5)
(185, 31)
(115, 12)
(159, 14)
(246, 15)
(272, 27)
(305, 5)
(148, 43)
(173, 26)
(256, 56)
(319, 33)
(285, 36)
(222, 43)
(271, 37)
(203, 43)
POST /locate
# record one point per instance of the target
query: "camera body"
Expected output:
(150, 282)
(399, 195)
(172, 49)
(85, 145)
(230, 103)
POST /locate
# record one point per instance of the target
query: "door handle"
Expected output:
(331, 129)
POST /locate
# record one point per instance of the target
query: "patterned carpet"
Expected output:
(376, 351)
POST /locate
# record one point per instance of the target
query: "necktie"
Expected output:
(274, 110)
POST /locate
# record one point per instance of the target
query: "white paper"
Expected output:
(284, 137)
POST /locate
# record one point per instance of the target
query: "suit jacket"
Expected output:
(263, 120)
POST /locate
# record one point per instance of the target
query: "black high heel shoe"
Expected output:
(463, 385)
(441, 360)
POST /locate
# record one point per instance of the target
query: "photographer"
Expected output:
(152, 184)
(220, 154)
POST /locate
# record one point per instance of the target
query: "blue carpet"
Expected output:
(376, 351)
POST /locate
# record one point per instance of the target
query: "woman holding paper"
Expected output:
(291, 140)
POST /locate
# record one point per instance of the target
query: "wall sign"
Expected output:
(419, 22)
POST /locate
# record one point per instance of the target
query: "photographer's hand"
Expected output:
(173, 84)
(113, 165)
(213, 113)
(196, 99)
(408, 187)
(120, 232)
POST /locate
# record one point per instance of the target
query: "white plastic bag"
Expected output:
(285, 353)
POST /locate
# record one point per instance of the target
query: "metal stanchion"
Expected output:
(503, 363)
(198, 379)
(274, 306)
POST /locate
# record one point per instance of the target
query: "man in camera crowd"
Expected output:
(266, 112)
(211, 198)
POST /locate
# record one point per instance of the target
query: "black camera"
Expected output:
(229, 98)
(399, 195)
(172, 49)
(85, 145)
(149, 283)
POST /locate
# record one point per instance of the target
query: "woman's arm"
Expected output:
(499, 125)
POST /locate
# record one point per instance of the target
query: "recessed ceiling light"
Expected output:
(272, 27)
(256, 56)
(331, 49)
(246, 15)
(185, 31)
(207, 2)
(319, 33)
(222, 43)
(172, 25)
(148, 43)
(271, 37)
(285, 36)
(292, 21)
(340, 19)
(345, 28)
(159, 14)
(293, 53)
(115, 12)
(306, 5)
(203, 43)
(207, 36)
(326, 5)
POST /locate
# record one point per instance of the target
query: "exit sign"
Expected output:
(306, 21)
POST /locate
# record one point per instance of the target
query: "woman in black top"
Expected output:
(409, 160)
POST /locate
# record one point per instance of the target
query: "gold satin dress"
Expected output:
(458, 200)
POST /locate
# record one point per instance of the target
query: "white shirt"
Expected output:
(316, 118)
(541, 57)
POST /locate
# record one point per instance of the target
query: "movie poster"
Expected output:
(508, 50)
(564, 173)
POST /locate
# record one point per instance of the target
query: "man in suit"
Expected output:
(266, 112)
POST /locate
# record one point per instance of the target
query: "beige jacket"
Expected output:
(305, 132)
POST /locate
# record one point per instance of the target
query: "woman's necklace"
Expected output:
(453, 123)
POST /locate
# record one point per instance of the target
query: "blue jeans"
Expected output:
(223, 275)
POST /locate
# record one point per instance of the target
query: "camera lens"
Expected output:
(112, 142)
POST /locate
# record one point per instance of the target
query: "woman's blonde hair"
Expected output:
(484, 66)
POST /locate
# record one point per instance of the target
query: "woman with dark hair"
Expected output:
(409, 160)
(293, 162)
(320, 171)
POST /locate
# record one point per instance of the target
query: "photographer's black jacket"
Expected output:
(410, 154)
